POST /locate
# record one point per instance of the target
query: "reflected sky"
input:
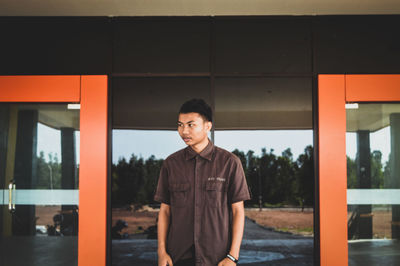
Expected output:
(162, 143)
(49, 141)
(379, 140)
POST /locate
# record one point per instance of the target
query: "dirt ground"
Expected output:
(290, 221)
(296, 222)
(381, 223)
(135, 219)
(44, 214)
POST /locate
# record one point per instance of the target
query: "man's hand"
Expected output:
(226, 262)
(162, 228)
(164, 259)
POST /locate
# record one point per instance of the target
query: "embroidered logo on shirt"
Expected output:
(216, 178)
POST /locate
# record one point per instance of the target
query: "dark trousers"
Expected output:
(185, 262)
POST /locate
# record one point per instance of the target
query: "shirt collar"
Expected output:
(206, 153)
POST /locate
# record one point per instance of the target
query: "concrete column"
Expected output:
(25, 170)
(395, 169)
(4, 125)
(8, 128)
(364, 181)
(68, 162)
(68, 150)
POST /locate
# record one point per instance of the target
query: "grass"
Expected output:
(304, 230)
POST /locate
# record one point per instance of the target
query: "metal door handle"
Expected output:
(11, 189)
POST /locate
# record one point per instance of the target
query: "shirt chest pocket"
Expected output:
(215, 194)
(179, 194)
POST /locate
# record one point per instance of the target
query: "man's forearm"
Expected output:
(162, 229)
(237, 229)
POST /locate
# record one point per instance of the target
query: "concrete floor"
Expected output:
(263, 246)
(374, 252)
(141, 252)
(260, 246)
(39, 250)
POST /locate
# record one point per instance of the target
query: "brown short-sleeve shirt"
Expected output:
(200, 189)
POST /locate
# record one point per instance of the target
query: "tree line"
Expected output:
(273, 179)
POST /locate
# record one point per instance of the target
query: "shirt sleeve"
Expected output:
(162, 190)
(238, 189)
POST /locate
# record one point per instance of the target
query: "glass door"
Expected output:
(373, 183)
(53, 170)
(39, 183)
(359, 185)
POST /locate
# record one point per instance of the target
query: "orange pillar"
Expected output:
(332, 170)
(93, 172)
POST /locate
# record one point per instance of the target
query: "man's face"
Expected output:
(192, 128)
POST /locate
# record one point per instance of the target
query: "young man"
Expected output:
(201, 189)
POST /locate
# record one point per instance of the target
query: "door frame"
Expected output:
(334, 91)
(91, 91)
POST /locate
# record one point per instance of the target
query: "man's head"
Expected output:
(194, 121)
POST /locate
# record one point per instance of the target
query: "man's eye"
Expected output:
(191, 125)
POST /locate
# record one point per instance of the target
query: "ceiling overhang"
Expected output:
(196, 7)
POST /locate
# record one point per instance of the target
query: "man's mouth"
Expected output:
(186, 139)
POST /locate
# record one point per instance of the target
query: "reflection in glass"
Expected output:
(373, 194)
(39, 167)
(135, 170)
(153, 103)
(267, 122)
(287, 190)
(278, 164)
(263, 103)
(144, 133)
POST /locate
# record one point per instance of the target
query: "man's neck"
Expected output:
(200, 146)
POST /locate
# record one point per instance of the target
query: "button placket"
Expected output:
(196, 206)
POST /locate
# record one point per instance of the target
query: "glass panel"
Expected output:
(145, 112)
(39, 167)
(373, 183)
(153, 103)
(267, 123)
(135, 170)
(263, 103)
(251, 114)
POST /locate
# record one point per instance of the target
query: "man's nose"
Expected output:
(185, 129)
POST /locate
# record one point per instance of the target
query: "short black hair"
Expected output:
(197, 106)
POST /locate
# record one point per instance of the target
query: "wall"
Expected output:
(289, 46)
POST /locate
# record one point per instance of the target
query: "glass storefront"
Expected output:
(39, 180)
(267, 122)
(373, 183)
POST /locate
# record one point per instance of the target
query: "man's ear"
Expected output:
(209, 124)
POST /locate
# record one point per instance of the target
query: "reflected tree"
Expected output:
(273, 180)
(48, 172)
(379, 172)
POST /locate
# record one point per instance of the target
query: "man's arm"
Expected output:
(162, 230)
(237, 232)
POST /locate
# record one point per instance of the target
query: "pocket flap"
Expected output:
(179, 187)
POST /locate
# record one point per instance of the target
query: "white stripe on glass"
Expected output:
(42, 196)
(373, 196)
